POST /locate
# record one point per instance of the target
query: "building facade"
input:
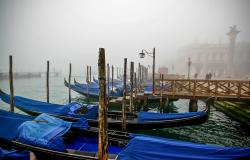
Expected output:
(229, 60)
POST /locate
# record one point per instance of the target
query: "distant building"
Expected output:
(231, 60)
(163, 70)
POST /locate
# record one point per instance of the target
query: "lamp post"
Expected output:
(151, 54)
(189, 65)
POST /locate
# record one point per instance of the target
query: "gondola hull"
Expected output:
(42, 153)
(141, 120)
(77, 143)
(134, 124)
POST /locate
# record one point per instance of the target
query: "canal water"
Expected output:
(219, 129)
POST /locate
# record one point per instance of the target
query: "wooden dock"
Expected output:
(200, 89)
(230, 90)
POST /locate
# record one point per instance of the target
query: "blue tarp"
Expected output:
(155, 148)
(148, 89)
(9, 123)
(89, 144)
(44, 131)
(94, 92)
(74, 106)
(151, 116)
(118, 84)
(53, 109)
(14, 155)
(91, 85)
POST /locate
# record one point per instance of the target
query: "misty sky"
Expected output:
(64, 31)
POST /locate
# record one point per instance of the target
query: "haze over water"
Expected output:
(64, 31)
(219, 129)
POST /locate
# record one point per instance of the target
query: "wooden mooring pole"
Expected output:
(117, 73)
(193, 106)
(161, 99)
(47, 81)
(140, 78)
(11, 85)
(112, 81)
(90, 74)
(108, 75)
(87, 77)
(124, 96)
(87, 81)
(153, 78)
(131, 104)
(69, 83)
(135, 82)
(102, 118)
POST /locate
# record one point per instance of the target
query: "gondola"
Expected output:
(11, 154)
(92, 92)
(141, 120)
(91, 85)
(54, 139)
(117, 84)
(115, 81)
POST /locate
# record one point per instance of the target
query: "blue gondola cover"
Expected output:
(44, 131)
(14, 155)
(152, 148)
(53, 109)
(152, 116)
(9, 122)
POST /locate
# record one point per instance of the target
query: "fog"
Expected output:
(64, 31)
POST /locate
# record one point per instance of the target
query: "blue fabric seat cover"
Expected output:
(151, 116)
(53, 109)
(152, 148)
(44, 131)
(14, 155)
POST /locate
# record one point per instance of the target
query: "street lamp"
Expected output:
(150, 54)
(189, 65)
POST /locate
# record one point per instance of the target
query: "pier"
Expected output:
(200, 89)
(193, 89)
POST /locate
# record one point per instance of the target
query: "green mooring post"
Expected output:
(103, 116)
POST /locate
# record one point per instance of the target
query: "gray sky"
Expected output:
(64, 31)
